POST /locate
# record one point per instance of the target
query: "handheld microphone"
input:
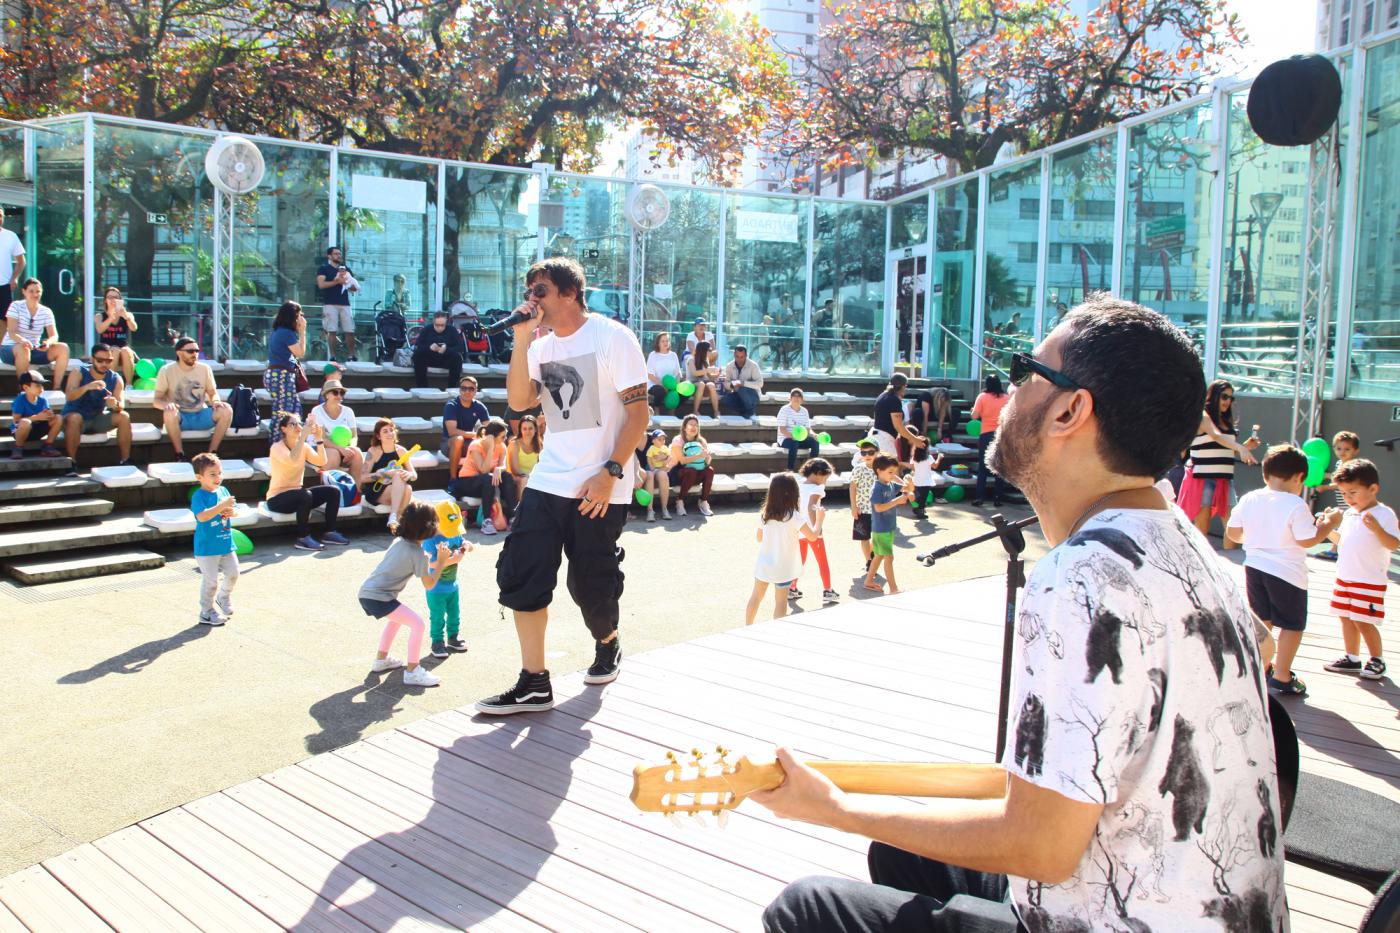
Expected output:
(509, 321)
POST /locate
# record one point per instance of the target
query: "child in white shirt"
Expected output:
(782, 524)
(1367, 535)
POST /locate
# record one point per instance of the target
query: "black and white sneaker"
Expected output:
(439, 650)
(1343, 665)
(1374, 669)
(607, 661)
(531, 693)
(455, 643)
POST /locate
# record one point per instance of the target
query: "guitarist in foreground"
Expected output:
(1141, 792)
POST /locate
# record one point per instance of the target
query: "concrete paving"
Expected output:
(119, 706)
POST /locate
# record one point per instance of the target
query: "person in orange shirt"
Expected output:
(482, 475)
(987, 407)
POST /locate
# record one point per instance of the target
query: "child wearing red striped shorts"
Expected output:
(1368, 534)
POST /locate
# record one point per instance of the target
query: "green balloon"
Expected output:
(799, 432)
(685, 389)
(144, 384)
(341, 436)
(1317, 473)
(642, 496)
(190, 496)
(974, 427)
(673, 398)
(242, 544)
(929, 501)
(146, 369)
(954, 493)
(824, 438)
(159, 363)
(669, 382)
(1317, 449)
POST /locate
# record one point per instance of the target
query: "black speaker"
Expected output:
(1295, 101)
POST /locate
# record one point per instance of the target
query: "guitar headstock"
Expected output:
(700, 785)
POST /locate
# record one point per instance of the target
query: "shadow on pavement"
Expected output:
(135, 660)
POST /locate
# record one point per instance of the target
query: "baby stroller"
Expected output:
(478, 344)
(502, 342)
(391, 334)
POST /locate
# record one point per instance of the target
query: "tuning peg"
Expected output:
(722, 819)
(699, 818)
(675, 819)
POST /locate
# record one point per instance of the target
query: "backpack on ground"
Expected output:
(245, 407)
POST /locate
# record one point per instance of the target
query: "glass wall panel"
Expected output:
(1375, 333)
(12, 154)
(1167, 253)
(909, 223)
(58, 235)
(682, 258)
(1080, 257)
(848, 290)
(387, 215)
(1012, 250)
(596, 233)
(766, 279)
(152, 231)
(954, 281)
(1261, 257)
(489, 236)
(279, 242)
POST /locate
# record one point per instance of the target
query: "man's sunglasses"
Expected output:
(540, 290)
(334, 392)
(466, 389)
(187, 350)
(867, 453)
(102, 360)
(1023, 366)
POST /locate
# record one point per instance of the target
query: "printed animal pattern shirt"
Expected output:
(1137, 685)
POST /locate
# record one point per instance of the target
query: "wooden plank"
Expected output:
(343, 885)
(181, 884)
(455, 814)
(1309, 903)
(403, 885)
(41, 903)
(463, 868)
(113, 894)
(726, 894)
(9, 923)
(263, 885)
(1310, 879)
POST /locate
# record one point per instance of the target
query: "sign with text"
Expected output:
(1395, 413)
(153, 218)
(765, 226)
(388, 194)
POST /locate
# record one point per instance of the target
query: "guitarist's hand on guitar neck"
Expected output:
(805, 794)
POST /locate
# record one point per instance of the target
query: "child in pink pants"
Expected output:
(379, 595)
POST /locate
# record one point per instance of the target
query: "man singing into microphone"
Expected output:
(592, 381)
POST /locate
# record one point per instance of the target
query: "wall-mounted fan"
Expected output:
(235, 168)
(646, 208)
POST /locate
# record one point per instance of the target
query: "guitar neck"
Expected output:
(903, 779)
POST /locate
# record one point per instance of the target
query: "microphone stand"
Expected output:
(1014, 542)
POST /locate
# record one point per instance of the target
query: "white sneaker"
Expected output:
(488, 527)
(705, 508)
(665, 514)
(210, 618)
(381, 665)
(225, 604)
(419, 677)
(651, 515)
(680, 508)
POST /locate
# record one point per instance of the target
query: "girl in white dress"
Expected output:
(781, 525)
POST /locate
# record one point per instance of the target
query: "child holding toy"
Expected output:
(885, 499)
(30, 411)
(213, 507)
(387, 472)
(444, 612)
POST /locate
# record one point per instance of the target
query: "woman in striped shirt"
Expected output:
(1208, 488)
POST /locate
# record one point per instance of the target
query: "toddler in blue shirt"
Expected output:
(213, 539)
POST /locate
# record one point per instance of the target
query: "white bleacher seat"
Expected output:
(398, 370)
(365, 425)
(118, 477)
(840, 397)
(392, 394)
(55, 398)
(214, 365)
(169, 521)
(839, 479)
(492, 394)
(814, 397)
(432, 496)
(709, 421)
(668, 421)
(423, 459)
(498, 367)
(380, 508)
(357, 366)
(244, 515)
(245, 366)
(827, 422)
(310, 396)
(442, 459)
(144, 433)
(757, 448)
(263, 465)
(951, 480)
(776, 396)
(139, 398)
(860, 421)
(281, 518)
(721, 449)
(436, 422)
(833, 450)
(724, 483)
(315, 366)
(430, 394)
(262, 395)
(852, 446)
(204, 434)
(256, 430)
(952, 448)
(358, 395)
(413, 423)
(97, 438)
(237, 469)
(737, 420)
(753, 482)
(352, 511)
(474, 369)
(768, 421)
(171, 473)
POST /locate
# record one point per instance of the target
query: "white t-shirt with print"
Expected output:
(31, 327)
(10, 249)
(1273, 522)
(1361, 558)
(1136, 684)
(346, 420)
(580, 377)
(779, 557)
(787, 417)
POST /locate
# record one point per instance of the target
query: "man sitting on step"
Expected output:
(95, 405)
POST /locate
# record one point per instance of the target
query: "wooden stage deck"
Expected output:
(524, 822)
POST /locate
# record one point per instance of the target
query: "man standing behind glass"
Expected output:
(336, 284)
(11, 259)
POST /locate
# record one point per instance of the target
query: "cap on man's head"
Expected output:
(898, 381)
(33, 377)
(699, 322)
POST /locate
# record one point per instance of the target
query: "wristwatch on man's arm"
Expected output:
(614, 468)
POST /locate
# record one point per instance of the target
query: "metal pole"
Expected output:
(1042, 249)
(1220, 107)
(1120, 210)
(811, 265)
(89, 242)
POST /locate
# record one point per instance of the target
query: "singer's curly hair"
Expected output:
(566, 274)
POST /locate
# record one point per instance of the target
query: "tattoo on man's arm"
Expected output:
(634, 394)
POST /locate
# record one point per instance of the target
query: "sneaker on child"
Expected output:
(705, 508)
(420, 677)
(210, 618)
(531, 693)
(455, 643)
(439, 650)
(381, 665)
(488, 527)
(225, 605)
(309, 544)
(1374, 669)
(1343, 665)
(607, 661)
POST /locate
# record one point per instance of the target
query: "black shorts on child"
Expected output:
(379, 608)
(1276, 601)
(860, 527)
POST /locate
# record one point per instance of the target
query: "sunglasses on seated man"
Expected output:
(1023, 366)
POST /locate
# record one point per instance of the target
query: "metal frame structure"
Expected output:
(1315, 310)
(225, 209)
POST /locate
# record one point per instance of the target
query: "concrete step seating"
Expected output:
(40, 510)
(55, 568)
